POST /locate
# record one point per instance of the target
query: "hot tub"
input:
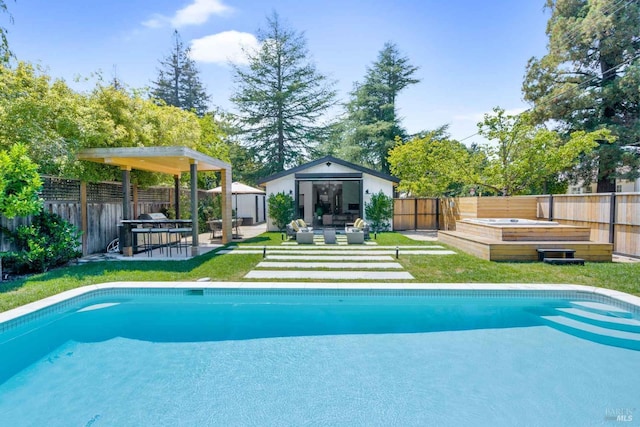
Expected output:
(509, 221)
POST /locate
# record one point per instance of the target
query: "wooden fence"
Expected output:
(612, 217)
(99, 221)
(103, 201)
(416, 214)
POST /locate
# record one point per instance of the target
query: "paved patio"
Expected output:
(205, 244)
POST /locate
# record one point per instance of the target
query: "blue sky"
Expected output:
(472, 55)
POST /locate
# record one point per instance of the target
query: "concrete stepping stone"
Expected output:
(340, 248)
(330, 265)
(319, 251)
(330, 257)
(332, 275)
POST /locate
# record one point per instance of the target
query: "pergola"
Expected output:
(169, 160)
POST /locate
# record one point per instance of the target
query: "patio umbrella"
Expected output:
(238, 188)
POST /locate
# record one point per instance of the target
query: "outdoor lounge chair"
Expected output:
(295, 226)
(291, 233)
(215, 225)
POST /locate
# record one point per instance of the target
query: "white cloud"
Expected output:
(198, 12)
(223, 47)
(156, 22)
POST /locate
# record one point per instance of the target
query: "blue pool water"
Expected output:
(322, 360)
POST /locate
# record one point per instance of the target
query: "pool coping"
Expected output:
(63, 300)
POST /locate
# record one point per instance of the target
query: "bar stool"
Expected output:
(179, 232)
(160, 232)
(145, 233)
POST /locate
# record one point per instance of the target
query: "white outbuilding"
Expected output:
(329, 192)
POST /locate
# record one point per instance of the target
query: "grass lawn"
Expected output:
(431, 269)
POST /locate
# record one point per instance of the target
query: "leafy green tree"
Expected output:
(281, 98)
(425, 164)
(372, 122)
(42, 114)
(589, 80)
(521, 158)
(379, 211)
(281, 209)
(118, 118)
(20, 183)
(178, 83)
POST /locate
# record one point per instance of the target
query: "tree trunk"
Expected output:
(607, 162)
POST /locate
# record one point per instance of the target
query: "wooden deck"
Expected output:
(520, 243)
(525, 233)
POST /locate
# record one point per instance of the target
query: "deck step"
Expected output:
(594, 333)
(602, 320)
(544, 253)
(600, 308)
(564, 261)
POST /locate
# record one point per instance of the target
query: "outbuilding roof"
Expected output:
(329, 159)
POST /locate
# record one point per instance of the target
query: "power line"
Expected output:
(591, 79)
(571, 38)
(558, 95)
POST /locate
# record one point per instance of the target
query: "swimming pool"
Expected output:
(212, 356)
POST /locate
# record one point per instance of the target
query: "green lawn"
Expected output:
(434, 269)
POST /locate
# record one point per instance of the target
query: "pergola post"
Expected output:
(125, 232)
(176, 189)
(227, 221)
(194, 208)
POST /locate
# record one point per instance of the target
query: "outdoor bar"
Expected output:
(170, 160)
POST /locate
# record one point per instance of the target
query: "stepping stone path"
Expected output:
(333, 261)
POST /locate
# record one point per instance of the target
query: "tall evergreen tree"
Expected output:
(5, 53)
(589, 80)
(178, 82)
(281, 98)
(372, 122)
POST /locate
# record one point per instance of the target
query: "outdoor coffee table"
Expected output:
(329, 235)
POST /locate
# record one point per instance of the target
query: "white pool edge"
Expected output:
(35, 306)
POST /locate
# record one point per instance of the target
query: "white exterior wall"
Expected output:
(246, 207)
(625, 186)
(287, 185)
(334, 168)
(622, 186)
(280, 185)
(307, 203)
(374, 185)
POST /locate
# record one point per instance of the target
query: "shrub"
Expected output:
(19, 183)
(281, 209)
(208, 209)
(48, 242)
(379, 211)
